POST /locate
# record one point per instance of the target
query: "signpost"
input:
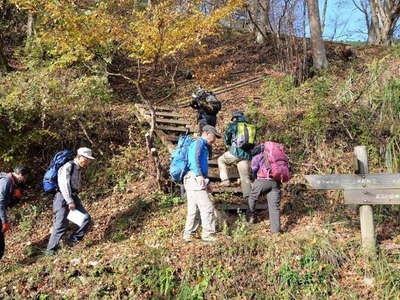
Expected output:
(362, 189)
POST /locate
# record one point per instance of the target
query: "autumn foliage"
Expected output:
(74, 31)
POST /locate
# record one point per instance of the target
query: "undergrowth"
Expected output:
(139, 252)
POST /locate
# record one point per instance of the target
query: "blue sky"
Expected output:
(350, 21)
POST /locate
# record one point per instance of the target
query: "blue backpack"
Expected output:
(179, 160)
(50, 184)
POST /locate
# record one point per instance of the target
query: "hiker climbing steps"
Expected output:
(170, 124)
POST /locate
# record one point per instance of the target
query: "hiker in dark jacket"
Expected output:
(10, 195)
(66, 199)
(235, 156)
(207, 106)
(265, 185)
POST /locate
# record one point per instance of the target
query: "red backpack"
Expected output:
(278, 160)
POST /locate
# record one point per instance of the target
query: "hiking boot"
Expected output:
(209, 239)
(49, 252)
(225, 183)
(71, 242)
(189, 239)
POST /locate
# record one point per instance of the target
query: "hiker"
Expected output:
(66, 199)
(207, 106)
(239, 152)
(270, 168)
(10, 195)
(200, 207)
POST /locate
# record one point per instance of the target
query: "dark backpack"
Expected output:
(50, 183)
(208, 101)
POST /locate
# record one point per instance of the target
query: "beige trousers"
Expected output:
(200, 208)
(243, 166)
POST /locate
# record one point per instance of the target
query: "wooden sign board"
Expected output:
(354, 182)
(372, 196)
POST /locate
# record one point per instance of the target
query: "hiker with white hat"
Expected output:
(66, 199)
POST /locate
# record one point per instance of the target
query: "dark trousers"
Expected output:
(2, 243)
(60, 226)
(272, 189)
(205, 119)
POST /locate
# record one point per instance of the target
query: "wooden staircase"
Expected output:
(170, 124)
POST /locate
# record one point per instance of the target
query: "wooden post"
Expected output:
(368, 242)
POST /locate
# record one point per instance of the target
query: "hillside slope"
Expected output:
(135, 251)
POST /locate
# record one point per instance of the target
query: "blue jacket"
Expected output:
(6, 196)
(198, 157)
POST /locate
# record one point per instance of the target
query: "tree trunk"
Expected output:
(253, 15)
(372, 38)
(151, 150)
(30, 31)
(384, 16)
(324, 9)
(317, 44)
(263, 23)
(259, 38)
(259, 19)
(374, 28)
(3, 59)
(29, 26)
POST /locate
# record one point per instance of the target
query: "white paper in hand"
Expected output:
(77, 217)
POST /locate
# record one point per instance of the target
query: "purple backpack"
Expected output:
(278, 161)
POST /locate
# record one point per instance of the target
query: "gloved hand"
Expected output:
(6, 227)
(71, 206)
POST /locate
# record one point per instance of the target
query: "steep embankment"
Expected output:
(134, 249)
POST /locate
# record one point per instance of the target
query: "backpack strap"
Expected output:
(72, 168)
(70, 174)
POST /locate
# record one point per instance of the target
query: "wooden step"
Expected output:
(173, 138)
(213, 173)
(166, 114)
(158, 107)
(172, 121)
(241, 206)
(172, 128)
(228, 189)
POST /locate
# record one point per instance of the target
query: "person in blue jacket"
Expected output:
(197, 188)
(9, 197)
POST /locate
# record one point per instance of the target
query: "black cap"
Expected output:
(211, 129)
(21, 170)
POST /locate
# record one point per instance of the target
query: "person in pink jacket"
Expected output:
(264, 184)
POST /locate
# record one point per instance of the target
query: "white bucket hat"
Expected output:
(86, 152)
